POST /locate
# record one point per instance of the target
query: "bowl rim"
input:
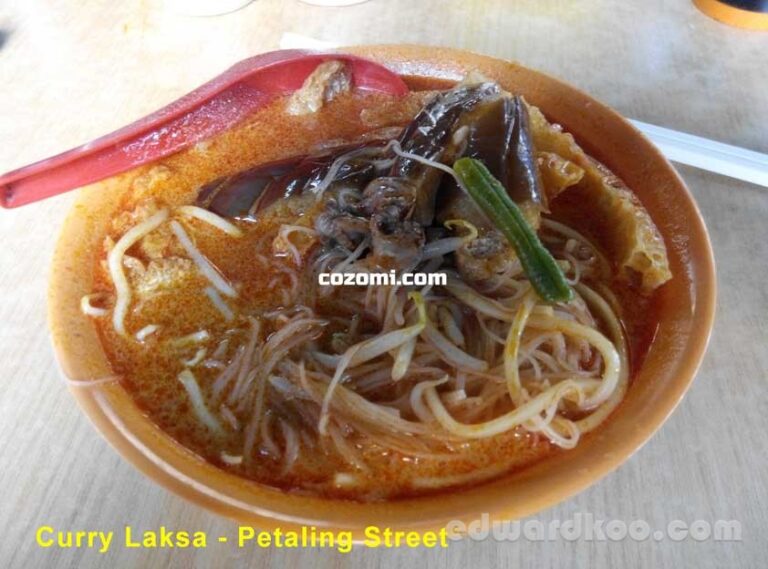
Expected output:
(112, 412)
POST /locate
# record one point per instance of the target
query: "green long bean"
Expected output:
(489, 194)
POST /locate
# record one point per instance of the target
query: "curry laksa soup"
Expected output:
(210, 305)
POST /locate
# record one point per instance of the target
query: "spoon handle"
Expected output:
(206, 111)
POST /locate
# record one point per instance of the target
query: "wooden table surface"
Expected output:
(72, 71)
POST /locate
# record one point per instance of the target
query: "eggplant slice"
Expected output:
(394, 202)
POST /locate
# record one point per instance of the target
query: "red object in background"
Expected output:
(208, 110)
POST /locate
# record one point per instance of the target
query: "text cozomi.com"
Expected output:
(382, 279)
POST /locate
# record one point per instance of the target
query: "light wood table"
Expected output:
(72, 71)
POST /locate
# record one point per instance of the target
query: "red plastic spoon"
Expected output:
(208, 110)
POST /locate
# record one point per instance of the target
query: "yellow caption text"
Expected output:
(305, 537)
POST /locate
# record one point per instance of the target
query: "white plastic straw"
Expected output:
(706, 154)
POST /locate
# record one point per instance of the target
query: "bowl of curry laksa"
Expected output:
(194, 316)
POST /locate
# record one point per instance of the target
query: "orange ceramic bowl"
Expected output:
(686, 303)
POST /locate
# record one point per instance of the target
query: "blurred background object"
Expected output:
(751, 14)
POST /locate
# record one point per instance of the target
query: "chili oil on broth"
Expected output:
(149, 369)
